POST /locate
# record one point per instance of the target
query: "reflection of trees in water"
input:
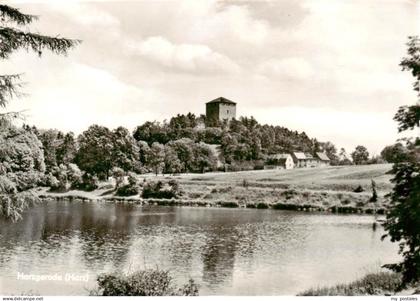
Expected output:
(240, 243)
(36, 234)
(161, 240)
(182, 250)
(98, 232)
(108, 235)
(105, 234)
(219, 255)
(116, 235)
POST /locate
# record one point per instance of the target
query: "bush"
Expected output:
(358, 189)
(89, 182)
(52, 182)
(157, 190)
(127, 190)
(228, 204)
(281, 206)
(118, 174)
(262, 206)
(372, 284)
(345, 202)
(64, 177)
(74, 175)
(131, 188)
(289, 193)
(143, 283)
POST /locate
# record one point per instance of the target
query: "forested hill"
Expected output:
(180, 145)
(244, 139)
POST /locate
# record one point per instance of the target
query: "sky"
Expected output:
(329, 68)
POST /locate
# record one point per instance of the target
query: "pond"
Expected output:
(60, 247)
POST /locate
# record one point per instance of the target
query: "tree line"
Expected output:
(181, 146)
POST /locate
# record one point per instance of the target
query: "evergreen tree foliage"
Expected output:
(13, 37)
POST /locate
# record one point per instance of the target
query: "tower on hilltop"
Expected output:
(220, 109)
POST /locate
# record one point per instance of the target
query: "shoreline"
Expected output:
(214, 204)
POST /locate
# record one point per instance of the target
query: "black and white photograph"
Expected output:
(209, 148)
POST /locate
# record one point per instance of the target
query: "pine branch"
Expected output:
(12, 39)
(10, 14)
(9, 88)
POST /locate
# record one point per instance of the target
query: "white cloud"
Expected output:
(239, 22)
(83, 13)
(79, 96)
(344, 129)
(186, 57)
(288, 68)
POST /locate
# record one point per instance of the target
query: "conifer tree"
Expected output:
(13, 37)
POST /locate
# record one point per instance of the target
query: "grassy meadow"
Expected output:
(309, 189)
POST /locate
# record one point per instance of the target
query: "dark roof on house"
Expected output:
(322, 157)
(278, 156)
(276, 161)
(222, 100)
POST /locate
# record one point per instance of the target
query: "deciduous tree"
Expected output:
(403, 219)
(157, 157)
(360, 155)
(95, 154)
(394, 153)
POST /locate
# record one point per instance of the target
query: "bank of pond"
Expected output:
(220, 203)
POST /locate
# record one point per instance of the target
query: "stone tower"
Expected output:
(220, 109)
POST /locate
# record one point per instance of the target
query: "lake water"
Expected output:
(227, 251)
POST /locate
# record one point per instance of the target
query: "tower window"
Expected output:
(227, 111)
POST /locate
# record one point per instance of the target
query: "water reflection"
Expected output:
(219, 255)
(228, 251)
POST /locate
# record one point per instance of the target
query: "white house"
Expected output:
(279, 161)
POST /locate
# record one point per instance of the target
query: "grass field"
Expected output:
(336, 178)
(327, 189)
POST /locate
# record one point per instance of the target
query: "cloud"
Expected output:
(83, 13)
(238, 21)
(277, 13)
(288, 68)
(80, 95)
(186, 57)
(344, 129)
